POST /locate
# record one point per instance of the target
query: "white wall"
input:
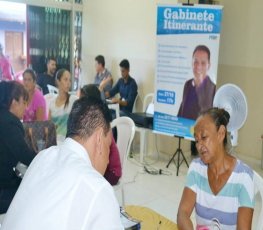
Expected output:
(121, 29)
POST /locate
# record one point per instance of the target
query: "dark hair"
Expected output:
(86, 117)
(91, 91)
(59, 75)
(219, 117)
(202, 48)
(51, 59)
(31, 72)
(100, 59)
(9, 91)
(125, 64)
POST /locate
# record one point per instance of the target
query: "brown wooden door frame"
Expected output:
(14, 47)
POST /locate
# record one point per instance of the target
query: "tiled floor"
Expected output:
(162, 193)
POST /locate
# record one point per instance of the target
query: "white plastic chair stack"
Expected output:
(52, 89)
(125, 131)
(258, 183)
(143, 131)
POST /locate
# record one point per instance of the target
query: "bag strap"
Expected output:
(30, 132)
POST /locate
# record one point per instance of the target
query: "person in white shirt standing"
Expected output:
(64, 187)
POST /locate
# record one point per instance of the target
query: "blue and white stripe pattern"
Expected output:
(237, 192)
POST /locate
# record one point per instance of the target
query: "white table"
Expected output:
(115, 107)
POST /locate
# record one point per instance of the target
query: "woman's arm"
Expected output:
(185, 210)
(244, 218)
(40, 114)
(16, 145)
(49, 115)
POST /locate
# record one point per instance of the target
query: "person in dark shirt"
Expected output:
(126, 87)
(47, 78)
(13, 148)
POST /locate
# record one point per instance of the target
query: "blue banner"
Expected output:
(186, 65)
(185, 20)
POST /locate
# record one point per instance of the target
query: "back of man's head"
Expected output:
(100, 59)
(125, 64)
(86, 117)
(202, 48)
(91, 91)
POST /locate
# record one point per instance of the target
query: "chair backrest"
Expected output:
(148, 96)
(52, 89)
(125, 131)
(258, 183)
(48, 97)
(134, 104)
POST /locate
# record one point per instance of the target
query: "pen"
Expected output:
(159, 225)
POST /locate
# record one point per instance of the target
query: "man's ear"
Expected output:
(99, 134)
(14, 102)
(208, 66)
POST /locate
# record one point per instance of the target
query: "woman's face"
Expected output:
(29, 82)
(208, 139)
(18, 107)
(65, 82)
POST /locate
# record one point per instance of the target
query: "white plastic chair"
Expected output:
(125, 130)
(2, 216)
(134, 104)
(52, 89)
(48, 97)
(258, 183)
(143, 131)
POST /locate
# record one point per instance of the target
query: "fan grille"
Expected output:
(232, 99)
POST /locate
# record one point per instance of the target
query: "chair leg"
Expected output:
(123, 198)
(146, 143)
(142, 140)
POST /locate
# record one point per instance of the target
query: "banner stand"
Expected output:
(178, 151)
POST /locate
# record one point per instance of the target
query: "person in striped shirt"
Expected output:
(219, 186)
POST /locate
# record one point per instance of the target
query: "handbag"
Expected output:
(40, 130)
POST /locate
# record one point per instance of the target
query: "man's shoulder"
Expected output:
(132, 80)
(189, 81)
(43, 74)
(107, 72)
(209, 82)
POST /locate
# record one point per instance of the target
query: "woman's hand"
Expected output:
(104, 82)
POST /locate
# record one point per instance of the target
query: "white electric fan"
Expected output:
(231, 98)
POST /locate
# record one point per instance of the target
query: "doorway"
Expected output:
(14, 47)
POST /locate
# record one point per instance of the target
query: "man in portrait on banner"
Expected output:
(199, 91)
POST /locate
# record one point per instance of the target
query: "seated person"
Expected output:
(63, 188)
(60, 106)
(13, 147)
(113, 171)
(126, 87)
(47, 78)
(219, 186)
(36, 104)
(102, 73)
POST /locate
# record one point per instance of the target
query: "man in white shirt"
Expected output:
(63, 188)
